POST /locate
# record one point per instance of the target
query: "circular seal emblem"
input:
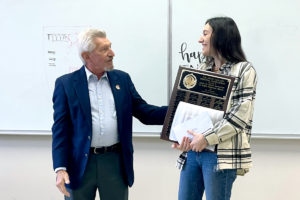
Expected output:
(189, 81)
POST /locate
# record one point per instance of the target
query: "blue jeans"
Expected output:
(199, 173)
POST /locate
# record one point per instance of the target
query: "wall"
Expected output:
(26, 172)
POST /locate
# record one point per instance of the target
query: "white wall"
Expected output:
(26, 172)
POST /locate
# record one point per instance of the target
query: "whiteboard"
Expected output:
(38, 44)
(270, 33)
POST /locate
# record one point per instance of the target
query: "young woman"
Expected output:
(215, 172)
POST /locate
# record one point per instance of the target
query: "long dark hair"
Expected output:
(226, 39)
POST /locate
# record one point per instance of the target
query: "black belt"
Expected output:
(112, 148)
(208, 150)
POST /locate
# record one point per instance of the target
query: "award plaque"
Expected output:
(197, 87)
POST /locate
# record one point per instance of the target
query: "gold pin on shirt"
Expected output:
(118, 87)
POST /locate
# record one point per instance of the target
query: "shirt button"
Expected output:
(86, 155)
(89, 137)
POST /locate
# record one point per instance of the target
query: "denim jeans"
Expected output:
(199, 174)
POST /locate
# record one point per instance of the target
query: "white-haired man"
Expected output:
(92, 131)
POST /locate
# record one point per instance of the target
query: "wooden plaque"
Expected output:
(197, 87)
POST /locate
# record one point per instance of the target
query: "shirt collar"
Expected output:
(89, 74)
(210, 63)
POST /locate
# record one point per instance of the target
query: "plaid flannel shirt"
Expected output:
(232, 134)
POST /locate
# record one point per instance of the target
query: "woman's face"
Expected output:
(207, 48)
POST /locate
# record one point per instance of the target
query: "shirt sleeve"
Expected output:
(60, 168)
(239, 115)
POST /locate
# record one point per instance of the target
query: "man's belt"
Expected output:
(100, 150)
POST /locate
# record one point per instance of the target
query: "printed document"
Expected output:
(193, 117)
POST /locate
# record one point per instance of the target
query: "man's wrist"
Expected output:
(59, 169)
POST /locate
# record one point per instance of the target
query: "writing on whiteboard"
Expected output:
(189, 58)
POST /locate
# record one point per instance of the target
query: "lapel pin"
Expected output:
(118, 87)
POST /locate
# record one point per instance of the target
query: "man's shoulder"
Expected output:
(118, 72)
(70, 75)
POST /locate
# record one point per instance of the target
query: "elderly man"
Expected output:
(92, 131)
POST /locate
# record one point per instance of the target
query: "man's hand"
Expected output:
(62, 178)
(184, 146)
(199, 142)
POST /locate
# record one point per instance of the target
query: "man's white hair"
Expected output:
(86, 40)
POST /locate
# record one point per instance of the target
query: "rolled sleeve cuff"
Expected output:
(211, 138)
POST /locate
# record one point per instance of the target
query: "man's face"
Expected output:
(101, 58)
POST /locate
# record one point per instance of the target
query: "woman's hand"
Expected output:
(184, 146)
(199, 142)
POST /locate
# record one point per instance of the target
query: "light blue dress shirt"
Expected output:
(103, 111)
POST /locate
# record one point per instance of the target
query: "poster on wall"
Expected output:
(60, 52)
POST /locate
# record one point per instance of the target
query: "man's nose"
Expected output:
(111, 53)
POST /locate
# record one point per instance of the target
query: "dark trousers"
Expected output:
(103, 172)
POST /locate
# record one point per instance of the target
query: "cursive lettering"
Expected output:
(189, 56)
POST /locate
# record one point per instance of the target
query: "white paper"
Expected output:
(199, 124)
(192, 117)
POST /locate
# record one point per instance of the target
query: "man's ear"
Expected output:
(85, 56)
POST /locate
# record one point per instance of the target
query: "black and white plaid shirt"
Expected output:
(232, 134)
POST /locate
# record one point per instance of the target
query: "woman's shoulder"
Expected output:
(244, 69)
(243, 66)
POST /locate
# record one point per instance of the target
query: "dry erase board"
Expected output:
(270, 33)
(148, 41)
(38, 44)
